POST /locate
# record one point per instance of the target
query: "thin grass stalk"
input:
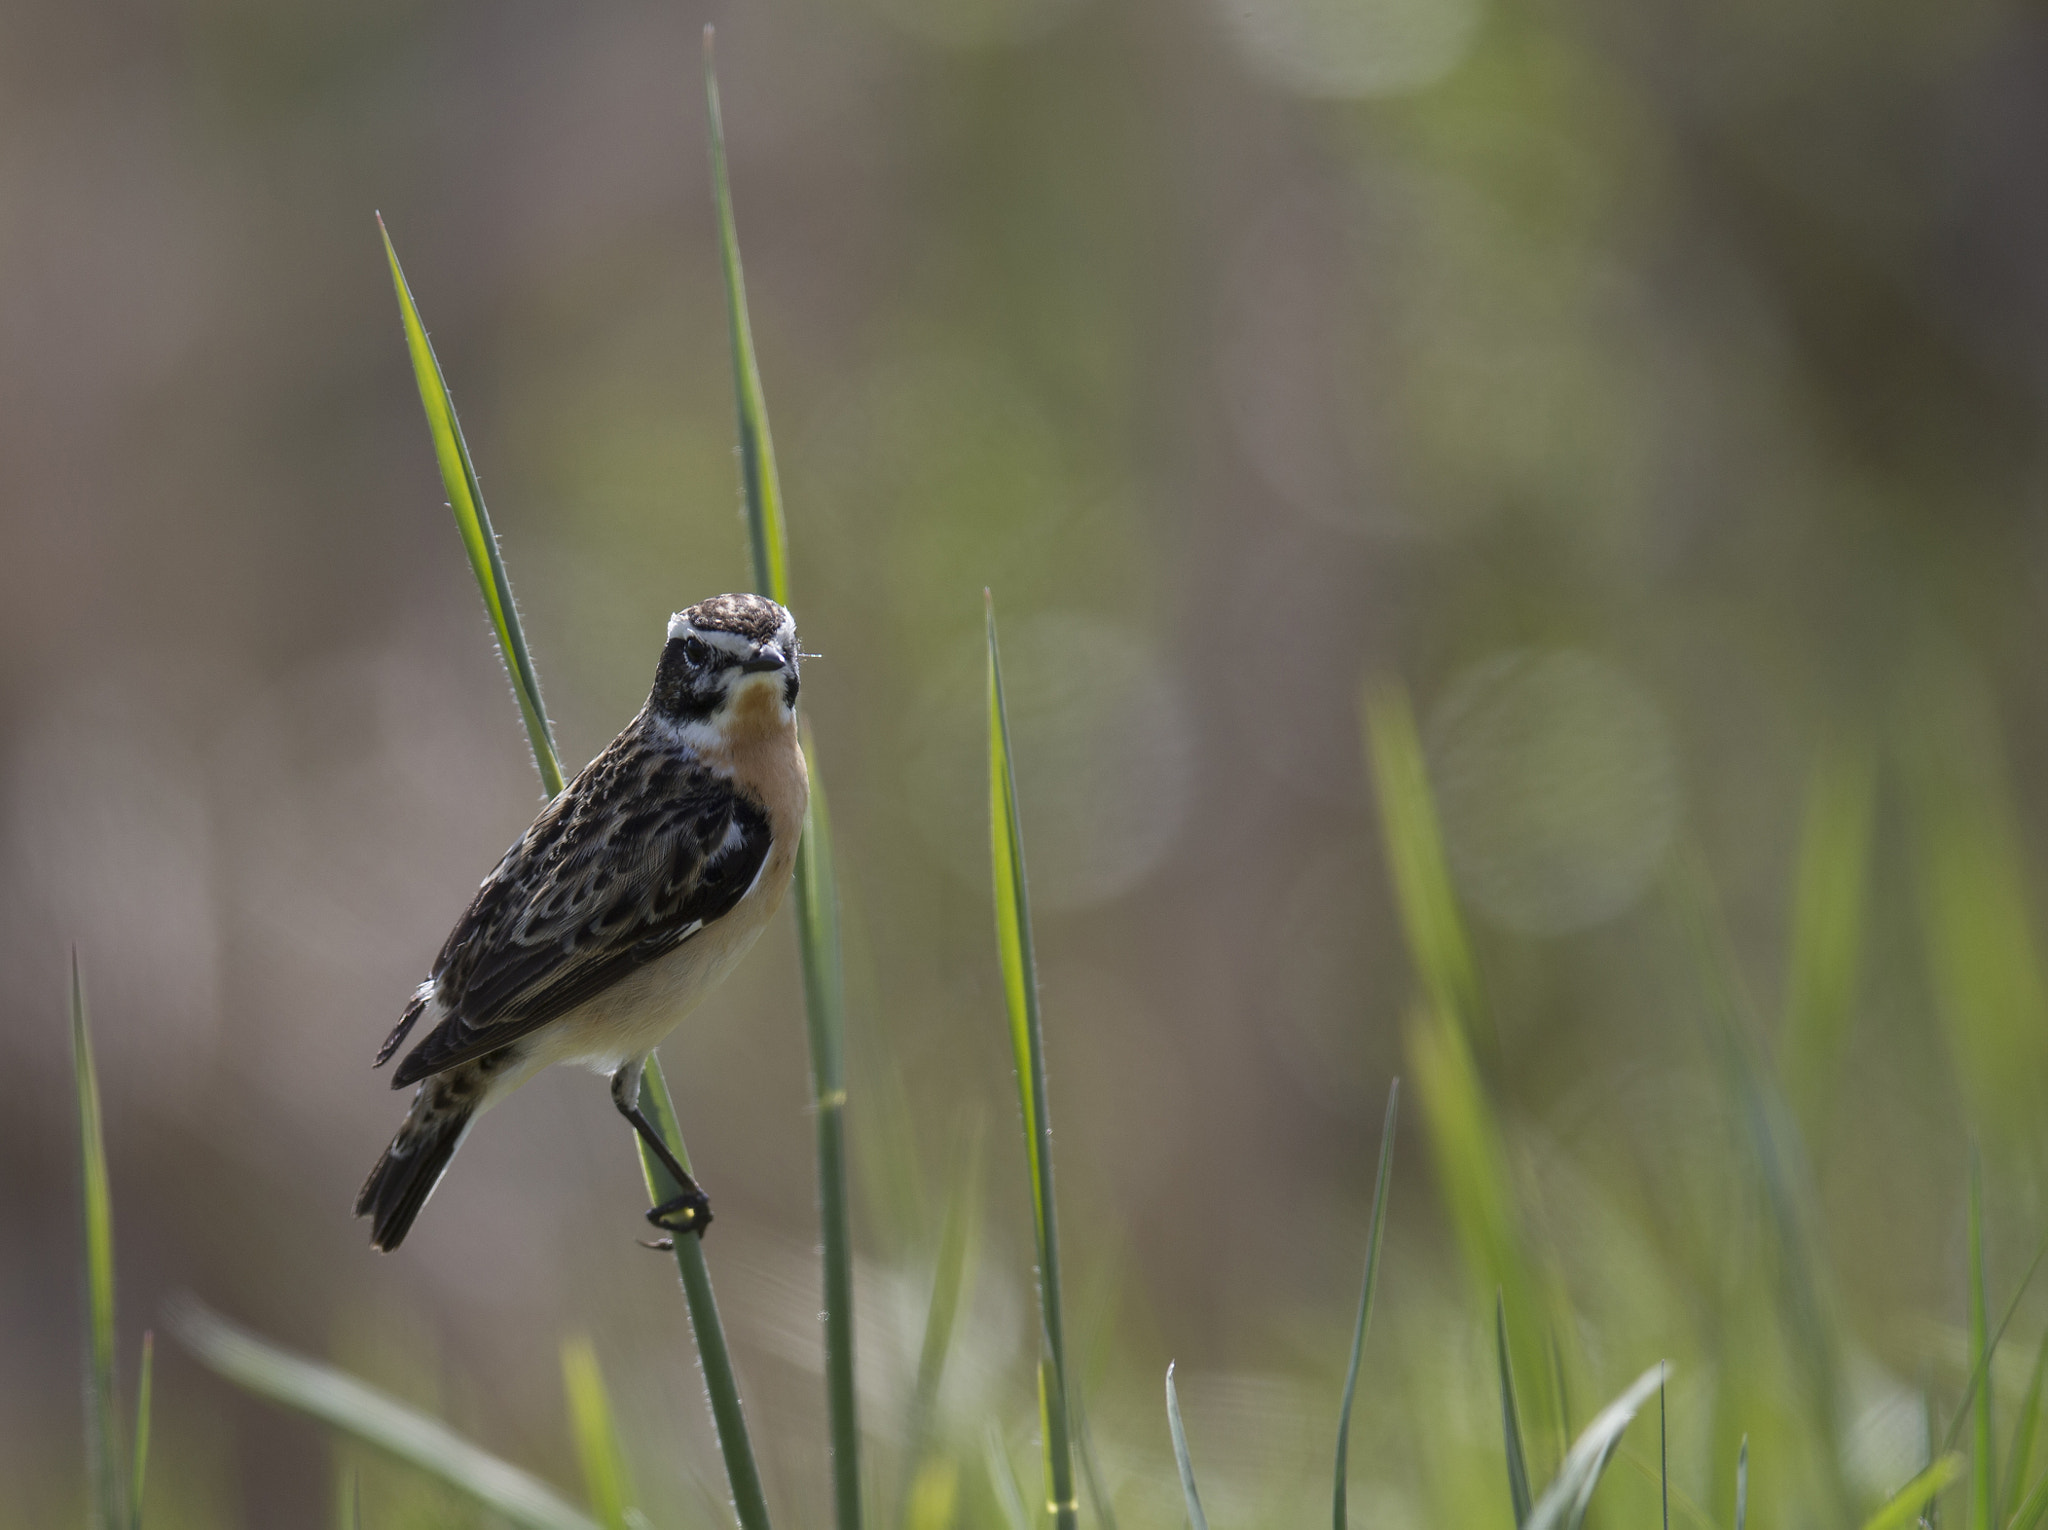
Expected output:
(721, 1382)
(1967, 1409)
(458, 476)
(1663, 1456)
(2019, 1455)
(1338, 1508)
(1197, 1520)
(1027, 1045)
(1983, 1466)
(817, 900)
(358, 1409)
(102, 1421)
(1519, 1495)
(143, 1390)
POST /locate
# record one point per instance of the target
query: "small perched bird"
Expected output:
(632, 895)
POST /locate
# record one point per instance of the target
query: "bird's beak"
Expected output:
(767, 658)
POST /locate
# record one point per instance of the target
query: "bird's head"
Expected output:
(729, 655)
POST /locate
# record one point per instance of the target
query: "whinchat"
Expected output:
(631, 896)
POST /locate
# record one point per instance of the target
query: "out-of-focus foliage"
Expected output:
(1652, 389)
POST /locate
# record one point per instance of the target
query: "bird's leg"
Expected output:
(688, 1211)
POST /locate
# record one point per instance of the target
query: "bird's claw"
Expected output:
(659, 1245)
(689, 1212)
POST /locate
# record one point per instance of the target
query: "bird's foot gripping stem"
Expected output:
(688, 1211)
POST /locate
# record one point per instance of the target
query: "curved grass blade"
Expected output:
(1027, 1045)
(721, 1382)
(1511, 1420)
(1378, 1222)
(2035, 1507)
(142, 1409)
(2019, 1455)
(360, 1410)
(466, 500)
(817, 899)
(102, 1423)
(1564, 1503)
(1983, 1468)
(1903, 1507)
(1197, 1520)
(597, 1439)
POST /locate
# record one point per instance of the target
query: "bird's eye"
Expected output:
(696, 650)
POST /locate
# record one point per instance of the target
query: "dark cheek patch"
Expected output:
(789, 690)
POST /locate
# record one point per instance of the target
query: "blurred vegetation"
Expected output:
(1653, 389)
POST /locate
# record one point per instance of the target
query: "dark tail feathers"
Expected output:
(410, 1168)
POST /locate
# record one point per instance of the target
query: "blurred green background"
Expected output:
(1654, 389)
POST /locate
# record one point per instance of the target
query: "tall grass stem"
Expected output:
(817, 899)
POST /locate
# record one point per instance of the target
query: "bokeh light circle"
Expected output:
(1558, 786)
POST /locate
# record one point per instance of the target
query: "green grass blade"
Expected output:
(949, 1279)
(1511, 1420)
(1027, 1043)
(1442, 1036)
(102, 1424)
(1564, 1503)
(765, 529)
(354, 1407)
(2020, 1454)
(1338, 1507)
(1742, 1485)
(1828, 912)
(817, 927)
(1983, 1466)
(466, 500)
(1778, 1157)
(2030, 1512)
(817, 896)
(1663, 1456)
(1903, 1507)
(721, 1382)
(144, 1387)
(1954, 1432)
(1197, 1520)
(1435, 930)
(597, 1439)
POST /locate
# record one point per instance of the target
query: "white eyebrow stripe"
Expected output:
(680, 625)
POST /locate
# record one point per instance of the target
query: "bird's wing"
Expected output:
(643, 850)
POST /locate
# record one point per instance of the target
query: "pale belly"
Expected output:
(633, 1016)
